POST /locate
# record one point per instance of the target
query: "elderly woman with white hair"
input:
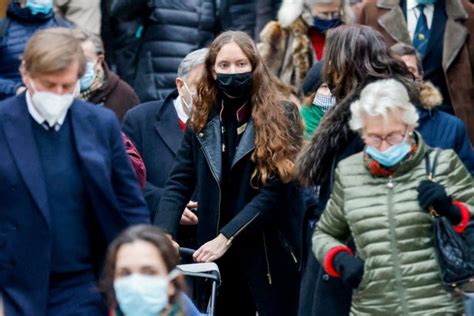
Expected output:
(380, 199)
(293, 43)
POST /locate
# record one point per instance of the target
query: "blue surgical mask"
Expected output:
(323, 25)
(390, 157)
(39, 6)
(142, 295)
(88, 77)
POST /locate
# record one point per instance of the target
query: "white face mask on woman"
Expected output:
(143, 295)
(51, 105)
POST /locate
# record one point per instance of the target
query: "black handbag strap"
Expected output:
(431, 168)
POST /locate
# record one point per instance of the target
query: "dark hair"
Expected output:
(402, 49)
(146, 233)
(356, 55)
(274, 153)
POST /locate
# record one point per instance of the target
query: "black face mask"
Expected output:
(235, 85)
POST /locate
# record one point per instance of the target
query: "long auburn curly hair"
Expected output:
(275, 152)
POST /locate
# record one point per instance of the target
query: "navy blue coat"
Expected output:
(25, 234)
(443, 130)
(19, 26)
(154, 130)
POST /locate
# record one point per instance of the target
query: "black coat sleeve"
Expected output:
(179, 187)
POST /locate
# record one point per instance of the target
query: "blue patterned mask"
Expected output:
(88, 77)
(390, 157)
(39, 6)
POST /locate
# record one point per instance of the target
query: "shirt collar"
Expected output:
(38, 117)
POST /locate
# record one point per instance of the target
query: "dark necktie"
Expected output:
(422, 32)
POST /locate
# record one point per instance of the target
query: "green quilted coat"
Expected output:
(392, 234)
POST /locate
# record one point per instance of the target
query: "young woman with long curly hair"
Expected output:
(239, 152)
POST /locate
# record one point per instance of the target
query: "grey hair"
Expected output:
(380, 98)
(85, 36)
(191, 60)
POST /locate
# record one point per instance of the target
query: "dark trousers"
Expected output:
(247, 292)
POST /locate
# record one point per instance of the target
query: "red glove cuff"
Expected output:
(465, 216)
(328, 266)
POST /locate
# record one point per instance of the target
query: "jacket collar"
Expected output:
(167, 123)
(210, 139)
(20, 138)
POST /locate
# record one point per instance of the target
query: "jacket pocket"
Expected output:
(286, 245)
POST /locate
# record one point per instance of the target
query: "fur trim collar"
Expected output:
(430, 96)
(289, 11)
(315, 161)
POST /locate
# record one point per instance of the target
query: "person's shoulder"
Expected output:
(353, 164)
(448, 120)
(97, 111)
(144, 111)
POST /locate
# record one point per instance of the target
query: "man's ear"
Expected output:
(179, 83)
(100, 59)
(24, 74)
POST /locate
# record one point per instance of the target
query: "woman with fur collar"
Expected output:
(292, 44)
(356, 55)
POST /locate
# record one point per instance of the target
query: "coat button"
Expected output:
(201, 134)
(326, 277)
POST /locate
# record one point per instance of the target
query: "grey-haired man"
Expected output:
(156, 128)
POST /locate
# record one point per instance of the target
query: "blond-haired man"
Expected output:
(67, 185)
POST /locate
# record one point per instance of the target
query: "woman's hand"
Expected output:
(188, 217)
(212, 250)
(432, 194)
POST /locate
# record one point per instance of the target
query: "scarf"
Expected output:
(312, 115)
(96, 84)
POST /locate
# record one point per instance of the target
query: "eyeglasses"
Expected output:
(391, 139)
(328, 15)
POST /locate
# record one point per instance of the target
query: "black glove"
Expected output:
(433, 194)
(350, 267)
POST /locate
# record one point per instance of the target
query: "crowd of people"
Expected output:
(285, 141)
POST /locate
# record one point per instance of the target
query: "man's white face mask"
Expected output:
(51, 105)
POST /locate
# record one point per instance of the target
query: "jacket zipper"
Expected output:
(393, 244)
(269, 274)
(231, 239)
(219, 187)
(287, 246)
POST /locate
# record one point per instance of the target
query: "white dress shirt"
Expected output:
(39, 118)
(413, 13)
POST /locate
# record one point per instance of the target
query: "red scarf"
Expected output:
(379, 170)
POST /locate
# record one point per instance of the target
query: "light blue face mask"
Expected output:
(143, 295)
(88, 77)
(39, 6)
(390, 157)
